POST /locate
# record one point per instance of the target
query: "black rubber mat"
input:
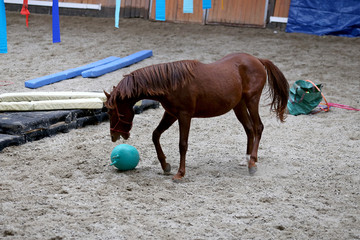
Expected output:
(20, 127)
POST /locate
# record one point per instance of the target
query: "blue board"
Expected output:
(324, 17)
(115, 65)
(206, 4)
(56, 77)
(188, 6)
(160, 10)
(3, 36)
(77, 71)
(45, 80)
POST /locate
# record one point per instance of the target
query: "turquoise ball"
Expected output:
(125, 157)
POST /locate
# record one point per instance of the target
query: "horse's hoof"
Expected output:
(252, 170)
(177, 179)
(167, 169)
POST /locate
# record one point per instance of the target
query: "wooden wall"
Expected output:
(282, 8)
(134, 8)
(129, 8)
(237, 12)
(229, 12)
(174, 12)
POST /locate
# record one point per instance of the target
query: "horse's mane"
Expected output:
(154, 80)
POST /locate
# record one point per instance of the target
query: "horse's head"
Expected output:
(121, 115)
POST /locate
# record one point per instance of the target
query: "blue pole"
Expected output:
(117, 13)
(55, 21)
(3, 36)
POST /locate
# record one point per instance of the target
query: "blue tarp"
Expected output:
(324, 17)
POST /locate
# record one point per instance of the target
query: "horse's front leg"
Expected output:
(184, 127)
(164, 124)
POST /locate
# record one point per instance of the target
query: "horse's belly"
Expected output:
(214, 106)
(217, 98)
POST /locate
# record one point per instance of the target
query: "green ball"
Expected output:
(125, 157)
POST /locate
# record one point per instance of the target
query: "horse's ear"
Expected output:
(107, 94)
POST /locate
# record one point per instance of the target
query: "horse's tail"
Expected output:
(279, 89)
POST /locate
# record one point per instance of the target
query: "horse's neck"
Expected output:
(143, 96)
(134, 100)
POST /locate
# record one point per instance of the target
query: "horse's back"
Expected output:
(235, 70)
(218, 87)
(250, 70)
(240, 60)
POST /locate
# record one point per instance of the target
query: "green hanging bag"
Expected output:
(303, 97)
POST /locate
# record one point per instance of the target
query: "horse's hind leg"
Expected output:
(252, 104)
(243, 116)
(164, 124)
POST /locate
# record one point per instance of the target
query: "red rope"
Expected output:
(6, 83)
(328, 105)
(343, 106)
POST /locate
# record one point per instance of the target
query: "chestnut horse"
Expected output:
(191, 89)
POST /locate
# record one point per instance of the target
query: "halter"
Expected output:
(120, 121)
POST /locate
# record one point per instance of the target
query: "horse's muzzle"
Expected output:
(116, 136)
